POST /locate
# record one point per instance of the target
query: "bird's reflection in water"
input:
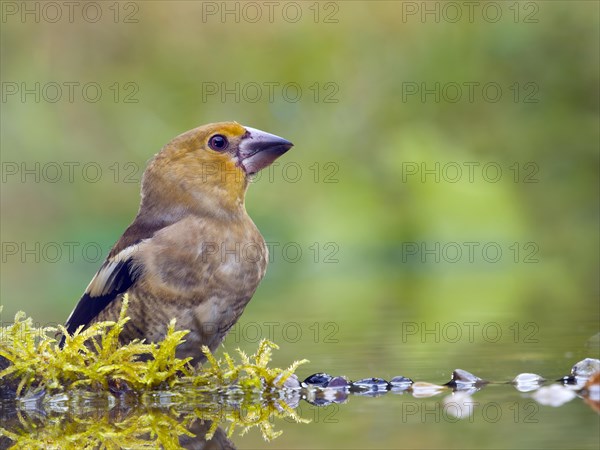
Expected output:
(20, 429)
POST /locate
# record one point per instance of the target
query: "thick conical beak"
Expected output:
(259, 149)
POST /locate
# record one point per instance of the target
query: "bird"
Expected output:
(192, 252)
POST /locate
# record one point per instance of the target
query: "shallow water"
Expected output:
(498, 415)
(485, 415)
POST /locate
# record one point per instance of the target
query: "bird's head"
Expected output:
(208, 168)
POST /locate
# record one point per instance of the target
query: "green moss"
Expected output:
(93, 367)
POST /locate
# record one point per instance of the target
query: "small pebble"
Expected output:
(370, 385)
(421, 389)
(461, 379)
(581, 372)
(291, 381)
(318, 379)
(586, 368)
(399, 384)
(338, 383)
(526, 382)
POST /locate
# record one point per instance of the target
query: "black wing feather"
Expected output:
(121, 279)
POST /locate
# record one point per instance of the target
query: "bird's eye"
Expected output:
(218, 142)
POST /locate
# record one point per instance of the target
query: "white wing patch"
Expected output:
(103, 281)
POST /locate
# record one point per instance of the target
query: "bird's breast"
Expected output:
(196, 260)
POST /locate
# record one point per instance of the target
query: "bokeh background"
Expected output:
(383, 101)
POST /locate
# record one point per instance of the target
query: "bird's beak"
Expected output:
(258, 149)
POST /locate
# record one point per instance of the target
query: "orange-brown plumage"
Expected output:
(192, 252)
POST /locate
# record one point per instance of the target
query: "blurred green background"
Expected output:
(383, 101)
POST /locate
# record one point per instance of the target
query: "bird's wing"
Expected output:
(115, 276)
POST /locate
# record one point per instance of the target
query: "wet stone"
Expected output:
(370, 385)
(462, 379)
(400, 383)
(338, 383)
(525, 382)
(291, 382)
(586, 368)
(581, 372)
(422, 389)
(318, 379)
